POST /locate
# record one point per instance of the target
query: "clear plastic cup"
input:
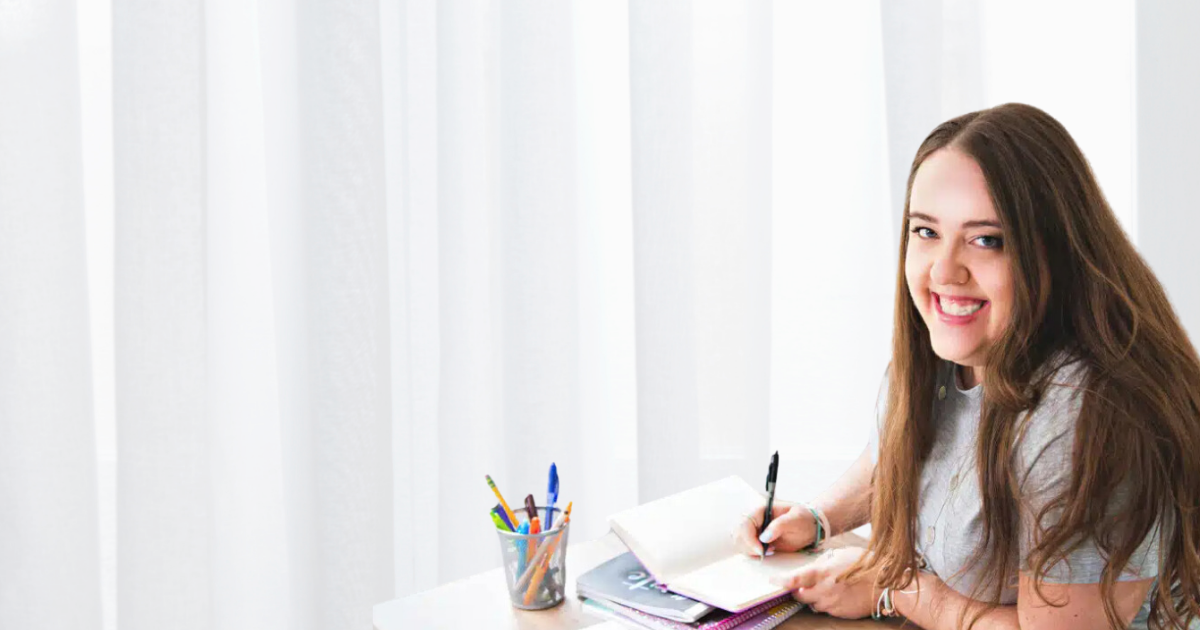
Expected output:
(535, 565)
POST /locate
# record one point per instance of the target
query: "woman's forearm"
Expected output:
(847, 503)
(935, 606)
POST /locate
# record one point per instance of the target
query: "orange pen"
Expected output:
(535, 525)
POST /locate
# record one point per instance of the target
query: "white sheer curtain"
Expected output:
(252, 319)
(293, 277)
(49, 542)
(248, 317)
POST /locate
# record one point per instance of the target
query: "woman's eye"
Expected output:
(923, 232)
(990, 242)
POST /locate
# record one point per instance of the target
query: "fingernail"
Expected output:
(763, 537)
(770, 552)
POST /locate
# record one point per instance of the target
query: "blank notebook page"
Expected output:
(676, 535)
(740, 580)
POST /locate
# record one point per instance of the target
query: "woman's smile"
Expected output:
(957, 310)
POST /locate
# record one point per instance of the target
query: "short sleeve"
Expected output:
(1045, 462)
(880, 414)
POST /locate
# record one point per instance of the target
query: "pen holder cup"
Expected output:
(535, 565)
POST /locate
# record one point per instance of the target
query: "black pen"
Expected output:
(772, 474)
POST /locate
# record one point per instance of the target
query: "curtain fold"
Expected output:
(1167, 78)
(411, 120)
(250, 566)
(253, 367)
(165, 526)
(49, 545)
(340, 450)
(468, 346)
(606, 477)
(661, 118)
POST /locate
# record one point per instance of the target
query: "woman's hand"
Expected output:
(814, 584)
(792, 529)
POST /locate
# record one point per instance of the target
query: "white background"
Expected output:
(330, 264)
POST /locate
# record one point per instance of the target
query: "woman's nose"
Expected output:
(947, 269)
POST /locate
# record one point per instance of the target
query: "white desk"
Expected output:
(481, 601)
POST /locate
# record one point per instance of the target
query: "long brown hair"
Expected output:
(1080, 289)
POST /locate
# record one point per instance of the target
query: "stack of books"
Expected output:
(623, 591)
(685, 572)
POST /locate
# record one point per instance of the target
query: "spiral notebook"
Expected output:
(764, 616)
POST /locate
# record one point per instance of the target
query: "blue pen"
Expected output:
(522, 547)
(551, 495)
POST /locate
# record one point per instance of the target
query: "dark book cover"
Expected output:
(624, 580)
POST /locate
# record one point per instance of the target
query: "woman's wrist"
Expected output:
(823, 518)
(885, 606)
(821, 523)
(887, 601)
(906, 600)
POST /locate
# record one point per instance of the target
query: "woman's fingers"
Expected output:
(747, 536)
(777, 532)
(803, 586)
(806, 577)
(778, 524)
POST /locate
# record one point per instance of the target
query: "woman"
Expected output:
(1038, 458)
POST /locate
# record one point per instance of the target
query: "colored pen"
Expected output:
(551, 495)
(499, 523)
(498, 511)
(531, 510)
(531, 527)
(523, 548)
(491, 484)
(772, 475)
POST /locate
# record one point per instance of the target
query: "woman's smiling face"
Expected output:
(956, 265)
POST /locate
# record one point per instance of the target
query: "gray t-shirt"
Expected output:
(951, 508)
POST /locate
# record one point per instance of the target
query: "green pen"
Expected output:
(499, 523)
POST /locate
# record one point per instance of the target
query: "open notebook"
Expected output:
(684, 541)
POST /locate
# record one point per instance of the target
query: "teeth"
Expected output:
(958, 308)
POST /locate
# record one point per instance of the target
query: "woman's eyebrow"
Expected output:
(966, 224)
